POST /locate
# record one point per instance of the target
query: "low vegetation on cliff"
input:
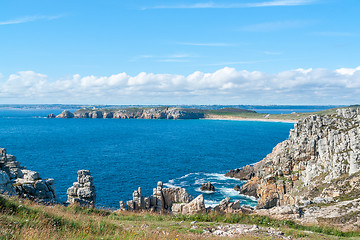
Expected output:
(23, 219)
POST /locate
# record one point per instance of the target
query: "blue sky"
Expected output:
(85, 45)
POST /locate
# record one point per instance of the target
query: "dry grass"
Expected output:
(22, 219)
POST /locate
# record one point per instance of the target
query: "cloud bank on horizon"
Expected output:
(224, 86)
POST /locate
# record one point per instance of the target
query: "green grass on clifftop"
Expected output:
(22, 219)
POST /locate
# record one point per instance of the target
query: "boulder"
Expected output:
(30, 175)
(207, 187)
(51, 115)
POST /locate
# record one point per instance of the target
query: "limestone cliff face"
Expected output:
(144, 113)
(320, 151)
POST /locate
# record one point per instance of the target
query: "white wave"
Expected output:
(229, 192)
(211, 203)
(207, 192)
(217, 176)
(183, 184)
(199, 181)
(187, 175)
(172, 181)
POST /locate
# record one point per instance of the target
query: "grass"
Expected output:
(22, 219)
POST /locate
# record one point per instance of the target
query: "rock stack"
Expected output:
(164, 200)
(207, 187)
(83, 191)
(195, 206)
(16, 180)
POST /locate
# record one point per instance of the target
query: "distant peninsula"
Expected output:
(227, 113)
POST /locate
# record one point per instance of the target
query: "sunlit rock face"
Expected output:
(16, 180)
(320, 151)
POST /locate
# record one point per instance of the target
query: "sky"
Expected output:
(259, 52)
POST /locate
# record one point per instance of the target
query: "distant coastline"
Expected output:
(225, 113)
(251, 119)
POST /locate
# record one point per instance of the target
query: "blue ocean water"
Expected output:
(125, 154)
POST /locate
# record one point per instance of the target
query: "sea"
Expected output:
(124, 154)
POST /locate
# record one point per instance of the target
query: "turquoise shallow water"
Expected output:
(125, 154)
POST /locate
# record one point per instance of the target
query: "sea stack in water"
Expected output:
(207, 187)
(83, 191)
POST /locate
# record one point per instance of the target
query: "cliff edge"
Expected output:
(317, 166)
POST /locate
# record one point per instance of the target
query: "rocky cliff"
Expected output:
(16, 180)
(318, 164)
(127, 113)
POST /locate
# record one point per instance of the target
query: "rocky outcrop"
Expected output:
(51, 115)
(207, 187)
(226, 206)
(162, 199)
(144, 113)
(245, 173)
(195, 206)
(65, 114)
(83, 191)
(320, 150)
(16, 180)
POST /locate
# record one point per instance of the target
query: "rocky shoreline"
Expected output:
(313, 177)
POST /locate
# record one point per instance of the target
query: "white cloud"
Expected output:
(274, 3)
(224, 86)
(28, 19)
(274, 26)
